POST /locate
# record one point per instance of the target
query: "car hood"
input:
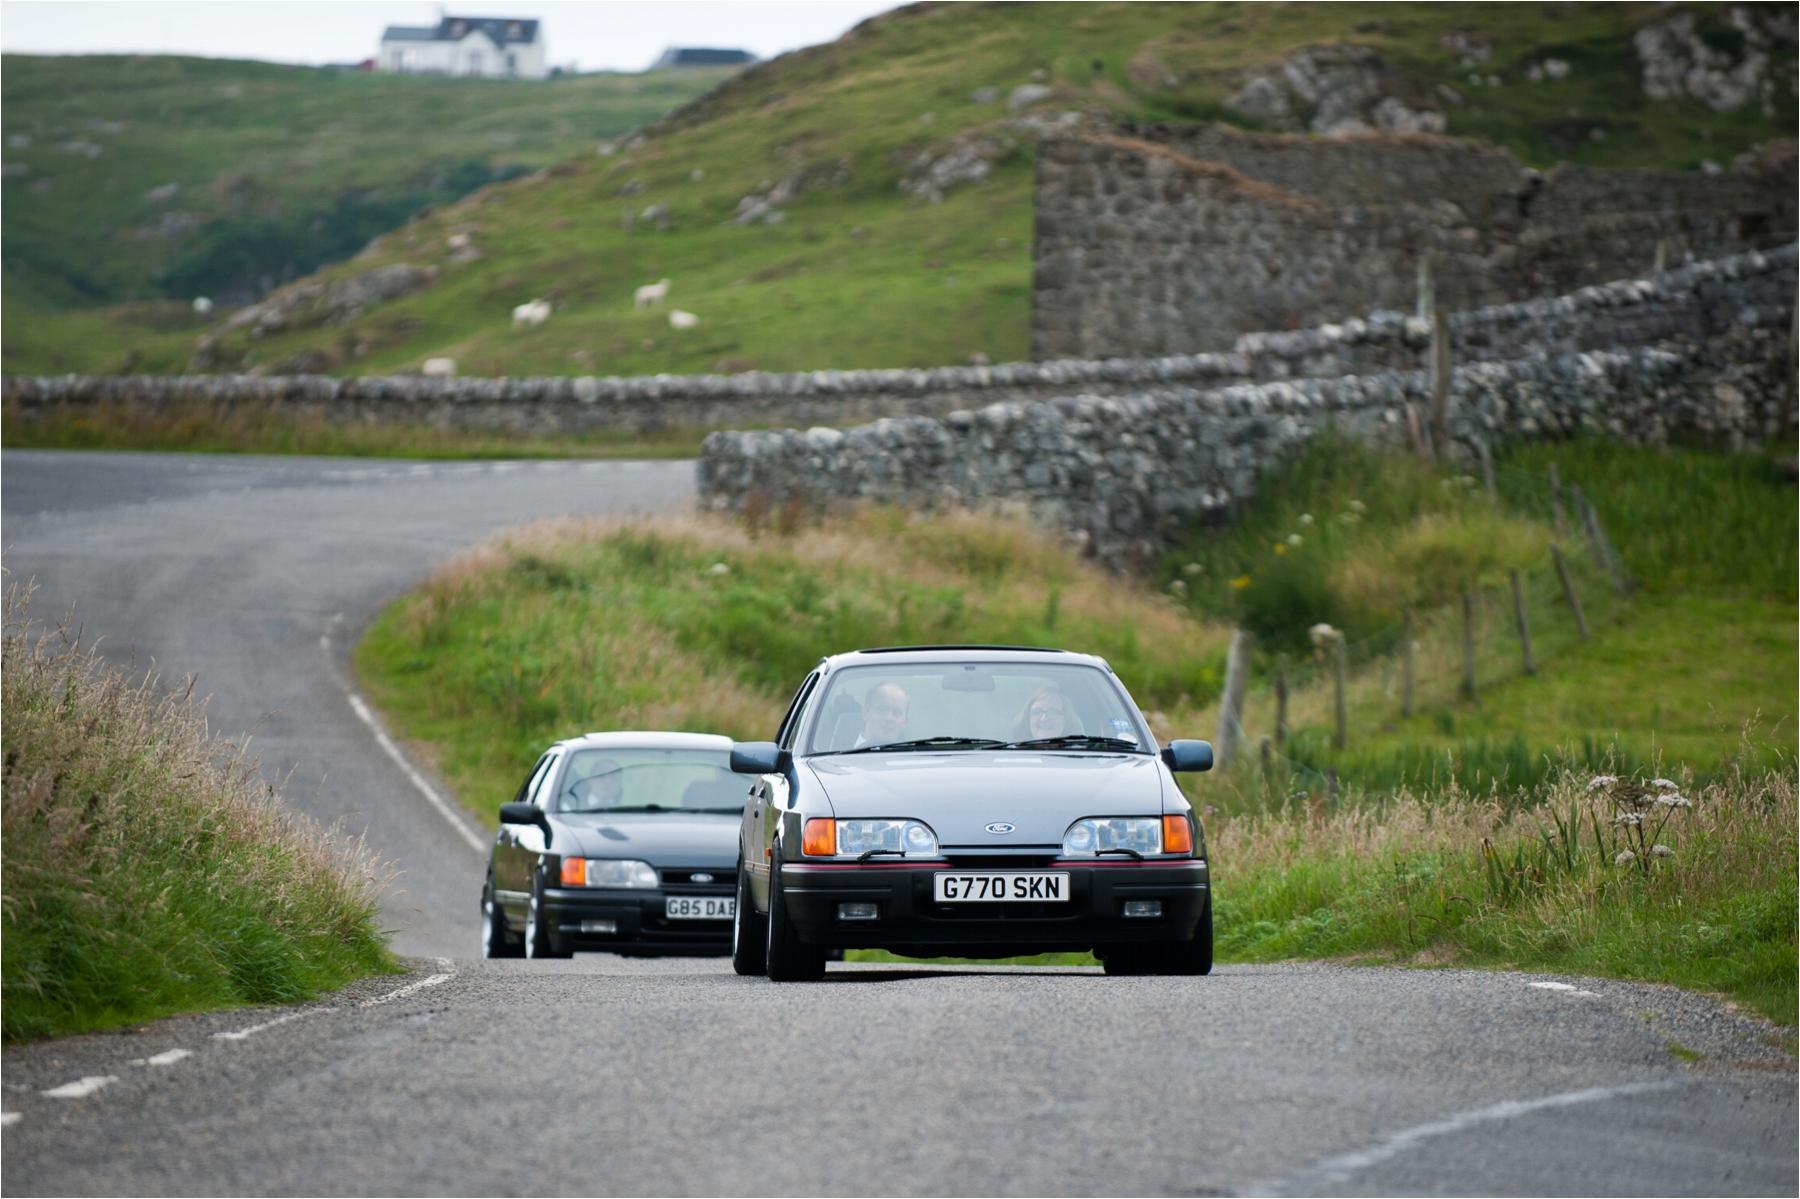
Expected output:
(660, 838)
(959, 795)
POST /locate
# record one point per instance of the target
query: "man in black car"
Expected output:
(885, 711)
(597, 790)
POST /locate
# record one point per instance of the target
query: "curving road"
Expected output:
(612, 1076)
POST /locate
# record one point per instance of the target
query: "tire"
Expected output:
(1191, 957)
(749, 937)
(497, 941)
(787, 959)
(1126, 960)
(540, 942)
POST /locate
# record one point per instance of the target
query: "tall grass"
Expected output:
(148, 870)
(1531, 878)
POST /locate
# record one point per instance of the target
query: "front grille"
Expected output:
(724, 878)
(988, 861)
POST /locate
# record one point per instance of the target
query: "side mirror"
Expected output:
(1188, 755)
(521, 813)
(757, 757)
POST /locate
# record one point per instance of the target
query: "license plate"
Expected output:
(1000, 888)
(700, 907)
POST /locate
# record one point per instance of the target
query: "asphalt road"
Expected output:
(613, 1076)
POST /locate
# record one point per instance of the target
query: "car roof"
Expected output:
(892, 654)
(647, 739)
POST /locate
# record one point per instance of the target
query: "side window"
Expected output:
(540, 786)
(790, 724)
(531, 780)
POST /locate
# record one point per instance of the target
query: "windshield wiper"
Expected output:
(1131, 852)
(1078, 741)
(870, 853)
(927, 743)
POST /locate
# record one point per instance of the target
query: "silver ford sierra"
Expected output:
(969, 801)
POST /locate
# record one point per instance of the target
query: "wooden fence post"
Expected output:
(1281, 698)
(1600, 545)
(1524, 626)
(1440, 385)
(1237, 677)
(1338, 654)
(1468, 640)
(1568, 586)
(1556, 509)
(1661, 263)
(1487, 469)
(1427, 285)
(1406, 666)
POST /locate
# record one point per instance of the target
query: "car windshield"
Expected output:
(975, 705)
(649, 780)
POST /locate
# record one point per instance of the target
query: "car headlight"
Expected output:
(607, 872)
(854, 838)
(1101, 834)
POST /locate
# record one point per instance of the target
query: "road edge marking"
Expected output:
(81, 1088)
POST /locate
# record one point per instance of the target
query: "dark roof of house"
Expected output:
(502, 31)
(700, 56)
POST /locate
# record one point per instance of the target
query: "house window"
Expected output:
(474, 62)
(515, 31)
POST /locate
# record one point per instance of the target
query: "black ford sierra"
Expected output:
(617, 841)
(969, 802)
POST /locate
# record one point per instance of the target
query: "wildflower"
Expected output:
(1602, 780)
(1322, 634)
(1672, 800)
(718, 568)
(1661, 851)
(1241, 582)
(1280, 549)
(1358, 507)
(1178, 587)
(1306, 519)
(1293, 539)
(1665, 784)
(1625, 858)
(1630, 819)
(1191, 569)
(1348, 518)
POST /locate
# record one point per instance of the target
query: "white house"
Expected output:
(495, 47)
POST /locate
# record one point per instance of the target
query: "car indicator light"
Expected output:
(819, 839)
(574, 872)
(1178, 835)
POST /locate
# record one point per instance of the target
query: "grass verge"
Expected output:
(148, 870)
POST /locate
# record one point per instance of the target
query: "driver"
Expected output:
(1046, 715)
(885, 711)
(598, 789)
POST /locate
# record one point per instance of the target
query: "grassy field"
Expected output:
(860, 273)
(148, 869)
(707, 624)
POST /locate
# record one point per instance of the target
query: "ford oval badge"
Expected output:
(999, 828)
(700, 876)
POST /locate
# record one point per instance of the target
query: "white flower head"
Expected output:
(1661, 851)
(1665, 784)
(1322, 634)
(1306, 518)
(1672, 800)
(1602, 780)
(1625, 858)
(1191, 569)
(718, 568)
(1293, 539)
(1178, 587)
(1358, 507)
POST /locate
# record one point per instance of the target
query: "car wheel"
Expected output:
(497, 941)
(539, 941)
(1126, 960)
(749, 939)
(787, 959)
(1189, 957)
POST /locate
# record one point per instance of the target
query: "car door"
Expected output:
(769, 796)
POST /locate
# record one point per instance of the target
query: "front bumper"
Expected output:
(910, 921)
(639, 920)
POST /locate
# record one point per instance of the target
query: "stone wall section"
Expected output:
(1704, 303)
(1176, 239)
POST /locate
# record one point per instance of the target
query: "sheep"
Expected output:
(439, 368)
(651, 294)
(682, 320)
(531, 315)
(202, 306)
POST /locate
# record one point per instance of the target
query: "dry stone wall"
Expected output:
(1175, 239)
(1704, 303)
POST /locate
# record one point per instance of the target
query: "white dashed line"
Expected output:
(81, 1088)
(241, 1033)
(1333, 1172)
(8, 1119)
(1565, 988)
(411, 988)
(167, 1057)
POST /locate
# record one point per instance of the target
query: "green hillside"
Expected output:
(861, 272)
(137, 177)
